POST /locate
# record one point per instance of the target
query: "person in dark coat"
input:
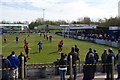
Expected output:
(75, 58)
(118, 64)
(88, 70)
(109, 67)
(96, 57)
(62, 68)
(20, 67)
(104, 58)
(76, 49)
(9, 56)
(56, 68)
(5, 64)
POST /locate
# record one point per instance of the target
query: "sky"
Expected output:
(68, 10)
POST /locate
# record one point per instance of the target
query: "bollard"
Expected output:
(71, 76)
(112, 68)
(22, 69)
(79, 66)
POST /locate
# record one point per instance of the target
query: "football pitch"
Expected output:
(49, 52)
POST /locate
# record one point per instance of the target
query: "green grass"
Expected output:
(49, 52)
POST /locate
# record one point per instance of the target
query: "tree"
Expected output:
(73, 22)
(110, 22)
(87, 20)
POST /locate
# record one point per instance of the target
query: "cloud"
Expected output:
(28, 10)
(18, 14)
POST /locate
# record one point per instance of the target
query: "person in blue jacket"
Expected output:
(14, 65)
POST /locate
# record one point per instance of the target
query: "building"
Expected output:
(13, 26)
(119, 9)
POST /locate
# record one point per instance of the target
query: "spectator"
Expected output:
(15, 64)
(87, 55)
(5, 64)
(119, 39)
(104, 58)
(9, 56)
(74, 60)
(118, 64)
(96, 57)
(62, 68)
(20, 67)
(88, 70)
(76, 49)
(65, 56)
(109, 67)
(56, 68)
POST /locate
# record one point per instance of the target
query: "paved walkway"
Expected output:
(98, 76)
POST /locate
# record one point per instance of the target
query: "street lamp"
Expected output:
(43, 14)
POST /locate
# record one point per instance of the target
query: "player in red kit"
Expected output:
(60, 45)
(5, 39)
(26, 48)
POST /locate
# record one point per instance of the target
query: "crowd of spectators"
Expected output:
(92, 57)
(103, 36)
(12, 66)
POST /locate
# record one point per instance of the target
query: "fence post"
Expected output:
(118, 44)
(71, 76)
(22, 69)
(112, 68)
(79, 66)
